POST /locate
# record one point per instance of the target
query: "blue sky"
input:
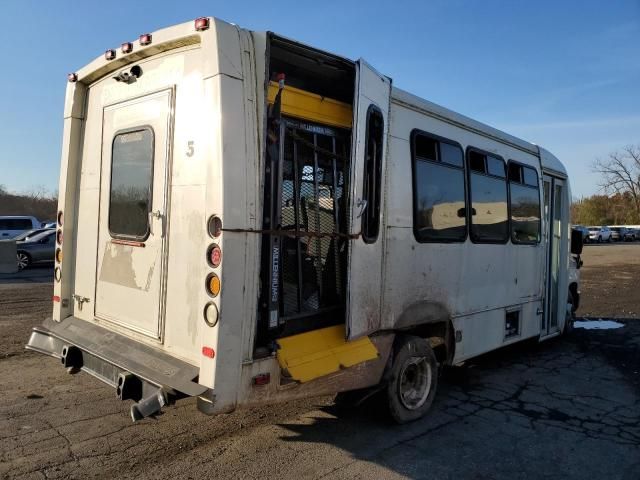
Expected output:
(565, 75)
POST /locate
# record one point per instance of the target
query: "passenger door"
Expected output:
(555, 288)
(132, 223)
(366, 248)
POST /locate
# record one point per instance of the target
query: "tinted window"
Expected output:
(372, 175)
(16, 224)
(131, 177)
(439, 200)
(488, 193)
(525, 204)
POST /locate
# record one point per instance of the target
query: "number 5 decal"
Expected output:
(190, 148)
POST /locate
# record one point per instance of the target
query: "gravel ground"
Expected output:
(566, 408)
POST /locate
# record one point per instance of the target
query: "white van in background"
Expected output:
(12, 226)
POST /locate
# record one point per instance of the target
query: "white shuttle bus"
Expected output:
(247, 220)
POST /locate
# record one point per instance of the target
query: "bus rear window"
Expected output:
(131, 183)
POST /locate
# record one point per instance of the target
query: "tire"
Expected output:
(23, 259)
(599, 239)
(568, 323)
(413, 379)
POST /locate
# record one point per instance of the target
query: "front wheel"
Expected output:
(413, 381)
(23, 260)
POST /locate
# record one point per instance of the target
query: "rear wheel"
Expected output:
(23, 260)
(413, 381)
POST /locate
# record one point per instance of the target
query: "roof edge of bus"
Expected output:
(552, 163)
(164, 39)
(409, 100)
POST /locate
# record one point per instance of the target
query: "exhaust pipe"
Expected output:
(149, 406)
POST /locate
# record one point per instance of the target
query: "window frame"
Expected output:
(414, 184)
(139, 238)
(470, 199)
(366, 238)
(537, 187)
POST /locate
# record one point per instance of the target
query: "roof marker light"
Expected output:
(72, 77)
(110, 54)
(145, 39)
(126, 47)
(201, 24)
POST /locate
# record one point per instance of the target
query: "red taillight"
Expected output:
(215, 256)
(145, 39)
(201, 24)
(72, 77)
(262, 379)
(60, 217)
(59, 237)
(56, 298)
(126, 47)
(110, 54)
(214, 226)
(208, 352)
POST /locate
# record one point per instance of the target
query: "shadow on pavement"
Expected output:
(34, 274)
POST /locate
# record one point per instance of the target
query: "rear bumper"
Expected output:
(134, 369)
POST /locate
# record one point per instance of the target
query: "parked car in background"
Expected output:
(31, 233)
(599, 234)
(11, 226)
(39, 248)
(584, 230)
(618, 233)
(49, 224)
(631, 235)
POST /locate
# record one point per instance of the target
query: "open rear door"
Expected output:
(370, 127)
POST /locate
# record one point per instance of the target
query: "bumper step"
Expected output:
(81, 345)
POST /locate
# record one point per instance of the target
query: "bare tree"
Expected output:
(621, 173)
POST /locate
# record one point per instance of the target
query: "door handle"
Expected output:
(156, 214)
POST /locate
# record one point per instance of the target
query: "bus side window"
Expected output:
(372, 174)
(488, 196)
(524, 200)
(439, 205)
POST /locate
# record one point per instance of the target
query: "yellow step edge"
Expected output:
(314, 354)
(310, 106)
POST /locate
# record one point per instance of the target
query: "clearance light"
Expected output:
(59, 237)
(211, 314)
(208, 352)
(59, 255)
(213, 285)
(126, 47)
(262, 379)
(201, 24)
(145, 39)
(56, 298)
(215, 255)
(57, 274)
(72, 77)
(110, 54)
(60, 218)
(214, 226)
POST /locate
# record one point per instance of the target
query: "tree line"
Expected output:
(620, 183)
(38, 203)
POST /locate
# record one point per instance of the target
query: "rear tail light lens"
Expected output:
(60, 218)
(56, 298)
(126, 47)
(214, 226)
(59, 237)
(262, 379)
(57, 274)
(110, 54)
(145, 39)
(214, 255)
(59, 255)
(213, 285)
(201, 24)
(211, 314)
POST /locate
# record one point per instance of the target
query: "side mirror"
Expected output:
(576, 242)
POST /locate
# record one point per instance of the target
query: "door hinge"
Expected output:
(80, 300)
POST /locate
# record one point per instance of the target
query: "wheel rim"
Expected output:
(23, 260)
(415, 382)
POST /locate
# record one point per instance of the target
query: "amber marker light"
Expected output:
(213, 285)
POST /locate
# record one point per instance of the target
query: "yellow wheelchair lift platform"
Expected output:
(314, 354)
